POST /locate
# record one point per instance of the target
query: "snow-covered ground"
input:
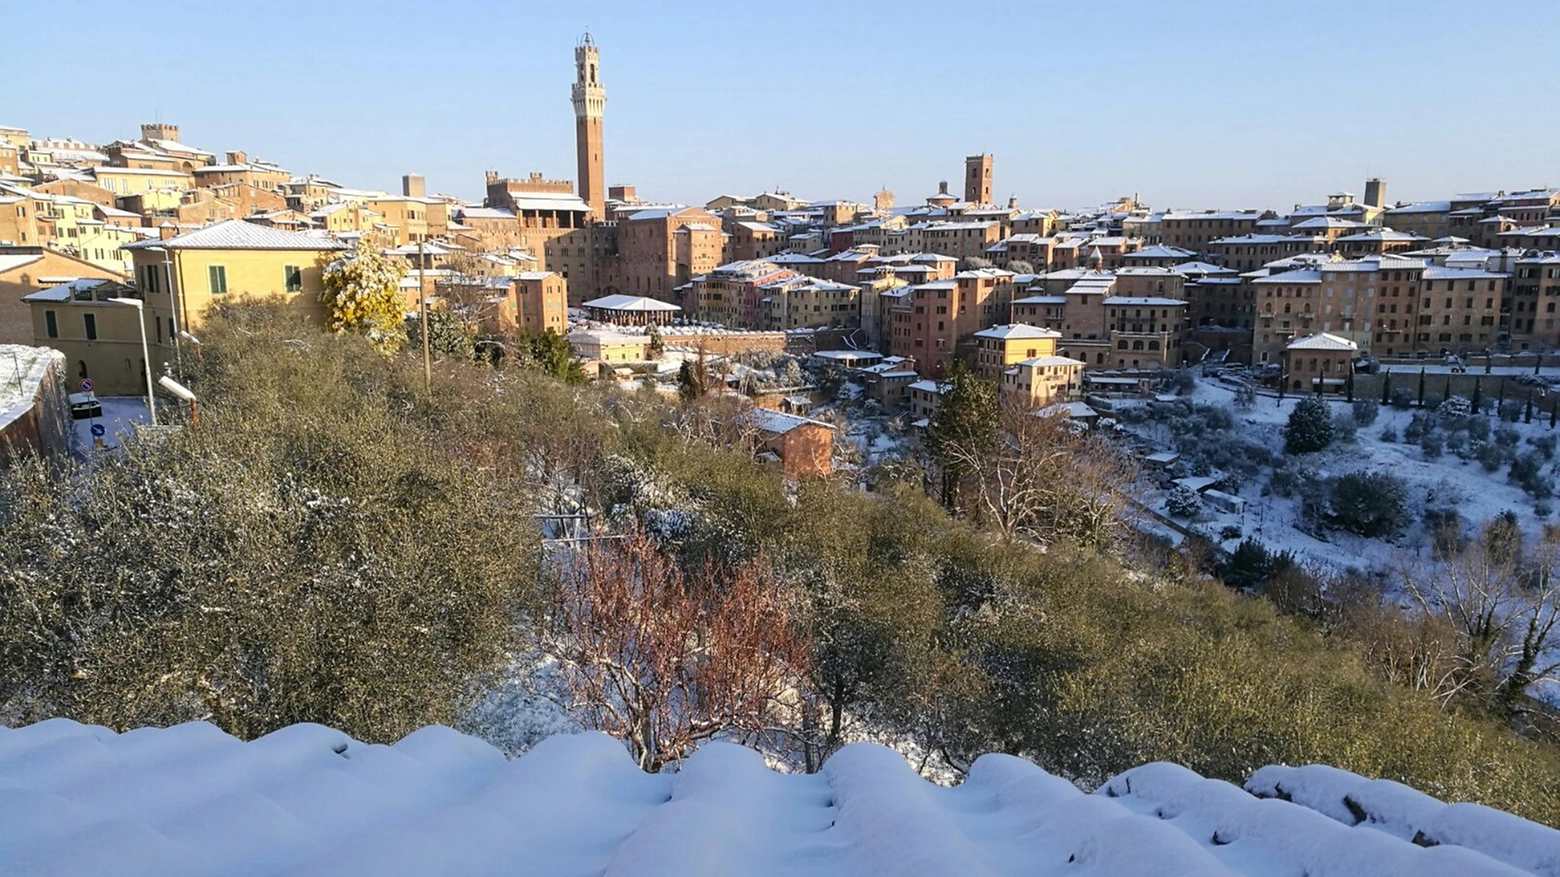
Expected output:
(1447, 481)
(121, 414)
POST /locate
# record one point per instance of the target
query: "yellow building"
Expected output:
(810, 303)
(347, 216)
(224, 261)
(601, 346)
(1000, 347)
(414, 219)
(133, 181)
(239, 169)
(101, 339)
(62, 219)
(18, 218)
(541, 302)
(26, 270)
(1044, 379)
(103, 245)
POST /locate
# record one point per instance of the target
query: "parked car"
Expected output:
(84, 405)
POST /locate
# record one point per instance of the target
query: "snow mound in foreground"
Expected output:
(306, 800)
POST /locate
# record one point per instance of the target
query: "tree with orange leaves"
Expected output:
(664, 658)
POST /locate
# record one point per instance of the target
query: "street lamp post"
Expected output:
(146, 353)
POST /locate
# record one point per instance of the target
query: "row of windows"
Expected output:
(51, 326)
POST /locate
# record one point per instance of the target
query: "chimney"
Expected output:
(237, 157)
(1376, 192)
(413, 186)
(165, 231)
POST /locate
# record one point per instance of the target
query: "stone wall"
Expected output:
(41, 422)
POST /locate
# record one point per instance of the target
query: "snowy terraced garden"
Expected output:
(1444, 482)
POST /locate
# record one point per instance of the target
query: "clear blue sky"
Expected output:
(1235, 103)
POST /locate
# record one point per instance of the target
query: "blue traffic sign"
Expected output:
(98, 430)
(86, 385)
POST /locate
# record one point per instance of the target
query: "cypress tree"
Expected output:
(1448, 394)
(1421, 386)
(1477, 401)
(1527, 410)
(1348, 386)
(1386, 388)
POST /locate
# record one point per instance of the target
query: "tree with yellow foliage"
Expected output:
(362, 294)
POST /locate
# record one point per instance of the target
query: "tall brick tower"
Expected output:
(589, 101)
(977, 179)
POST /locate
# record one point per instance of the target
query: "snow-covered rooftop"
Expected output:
(1382, 234)
(1160, 251)
(65, 291)
(495, 213)
(1146, 300)
(236, 234)
(1051, 361)
(12, 262)
(1017, 331)
(630, 303)
(779, 422)
(1199, 267)
(547, 201)
(1322, 341)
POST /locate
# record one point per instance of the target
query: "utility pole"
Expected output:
(422, 318)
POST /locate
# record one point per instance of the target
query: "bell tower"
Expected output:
(590, 99)
(977, 179)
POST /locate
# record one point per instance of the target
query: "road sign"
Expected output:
(86, 385)
(98, 430)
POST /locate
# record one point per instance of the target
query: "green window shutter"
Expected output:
(218, 275)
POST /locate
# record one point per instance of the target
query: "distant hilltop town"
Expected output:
(1121, 287)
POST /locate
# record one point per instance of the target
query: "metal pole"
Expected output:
(146, 360)
(422, 299)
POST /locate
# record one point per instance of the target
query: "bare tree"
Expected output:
(663, 659)
(1409, 648)
(1044, 477)
(467, 292)
(1504, 605)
